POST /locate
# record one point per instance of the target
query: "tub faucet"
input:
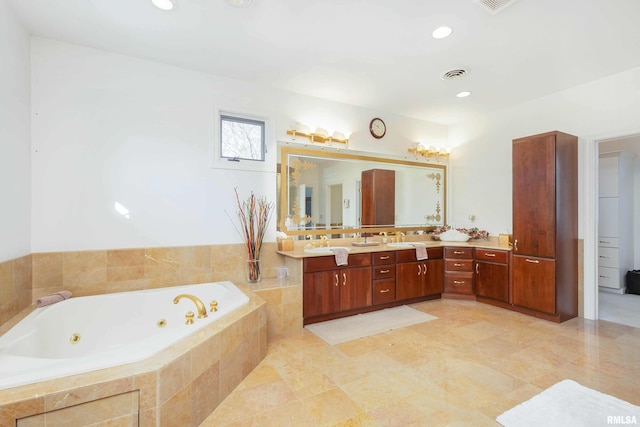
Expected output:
(202, 310)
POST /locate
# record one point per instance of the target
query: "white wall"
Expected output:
(110, 128)
(481, 171)
(15, 178)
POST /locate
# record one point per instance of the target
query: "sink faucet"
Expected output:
(325, 241)
(202, 310)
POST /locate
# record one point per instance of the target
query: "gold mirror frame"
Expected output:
(282, 182)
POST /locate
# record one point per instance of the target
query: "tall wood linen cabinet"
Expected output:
(545, 226)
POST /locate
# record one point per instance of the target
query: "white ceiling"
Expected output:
(377, 54)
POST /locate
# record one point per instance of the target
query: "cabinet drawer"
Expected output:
(458, 283)
(328, 262)
(384, 271)
(610, 277)
(408, 255)
(384, 291)
(458, 265)
(608, 242)
(608, 257)
(492, 256)
(458, 252)
(384, 258)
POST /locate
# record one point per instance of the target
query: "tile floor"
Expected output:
(618, 308)
(465, 368)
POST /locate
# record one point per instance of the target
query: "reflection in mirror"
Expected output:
(347, 190)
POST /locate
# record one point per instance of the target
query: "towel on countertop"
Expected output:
(341, 255)
(421, 250)
(53, 298)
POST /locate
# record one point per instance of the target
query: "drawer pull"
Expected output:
(605, 257)
(458, 252)
(604, 277)
(457, 264)
(477, 270)
(459, 282)
(419, 269)
(605, 241)
(336, 280)
(384, 257)
(344, 279)
(384, 291)
(384, 271)
(424, 268)
(489, 254)
(533, 261)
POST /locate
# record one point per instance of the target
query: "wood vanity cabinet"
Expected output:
(384, 277)
(328, 289)
(545, 226)
(491, 275)
(458, 272)
(417, 279)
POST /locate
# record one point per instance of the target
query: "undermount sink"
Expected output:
(399, 245)
(325, 250)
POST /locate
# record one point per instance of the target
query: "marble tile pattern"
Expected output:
(15, 287)
(179, 386)
(465, 368)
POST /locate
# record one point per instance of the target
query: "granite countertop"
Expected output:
(299, 246)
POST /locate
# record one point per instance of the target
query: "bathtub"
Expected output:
(88, 333)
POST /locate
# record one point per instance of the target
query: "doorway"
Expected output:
(612, 303)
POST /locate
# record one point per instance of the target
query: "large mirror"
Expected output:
(347, 192)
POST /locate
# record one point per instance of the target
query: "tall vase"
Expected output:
(253, 270)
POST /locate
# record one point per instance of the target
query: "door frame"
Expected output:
(590, 218)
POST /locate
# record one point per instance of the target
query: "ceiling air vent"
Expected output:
(454, 74)
(494, 6)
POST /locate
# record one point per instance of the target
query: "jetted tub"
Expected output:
(88, 333)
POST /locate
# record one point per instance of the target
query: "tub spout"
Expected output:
(202, 310)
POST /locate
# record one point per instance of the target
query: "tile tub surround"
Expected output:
(181, 385)
(15, 287)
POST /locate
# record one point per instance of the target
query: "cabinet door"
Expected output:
(409, 280)
(355, 288)
(492, 281)
(321, 293)
(534, 196)
(534, 284)
(608, 217)
(434, 279)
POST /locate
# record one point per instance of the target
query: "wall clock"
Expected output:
(377, 128)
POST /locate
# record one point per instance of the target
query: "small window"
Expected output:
(242, 138)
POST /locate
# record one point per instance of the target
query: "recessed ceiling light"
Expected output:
(463, 94)
(164, 4)
(240, 3)
(442, 32)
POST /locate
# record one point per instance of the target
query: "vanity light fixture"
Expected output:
(320, 135)
(165, 4)
(463, 94)
(437, 152)
(442, 32)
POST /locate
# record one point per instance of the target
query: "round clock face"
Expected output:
(377, 128)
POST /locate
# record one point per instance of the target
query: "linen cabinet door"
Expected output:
(355, 288)
(534, 196)
(534, 284)
(321, 293)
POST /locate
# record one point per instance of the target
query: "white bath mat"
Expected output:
(362, 325)
(568, 403)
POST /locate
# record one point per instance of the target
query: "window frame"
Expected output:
(267, 163)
